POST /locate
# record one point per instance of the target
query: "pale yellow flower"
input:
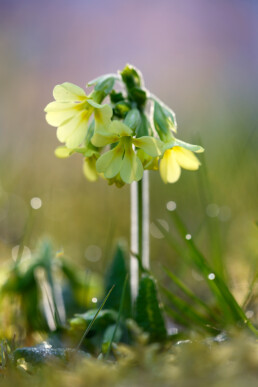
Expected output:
(122, 158)
(176, 158)
(71, 111)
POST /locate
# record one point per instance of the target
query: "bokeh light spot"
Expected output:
(36, 203)
(93, 253)
(171, 206)
(212, 210)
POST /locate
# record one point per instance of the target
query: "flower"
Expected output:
(180, 155)
(89, 168)
(122, 159)
(71, 111)
(89, 151)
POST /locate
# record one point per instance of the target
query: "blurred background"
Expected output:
(200, 57)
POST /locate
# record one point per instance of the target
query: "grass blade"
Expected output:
(189, 293)
(217, 285)
(250, 291)
(119, 315)
(92, 322)
(187, 311)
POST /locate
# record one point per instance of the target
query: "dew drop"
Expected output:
(211, 276)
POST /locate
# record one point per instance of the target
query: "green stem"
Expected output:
(139, 232)
(140, 219)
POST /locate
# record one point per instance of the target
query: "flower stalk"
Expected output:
(139, 231)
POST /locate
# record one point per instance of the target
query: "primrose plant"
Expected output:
(122, 131)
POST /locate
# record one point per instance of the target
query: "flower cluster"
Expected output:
(133, 131)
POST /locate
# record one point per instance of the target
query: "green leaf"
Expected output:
(104, 318)
(113, 333)
(96, 315)
(148, 312)
(42, 353)
(116, 274)
(112, 338)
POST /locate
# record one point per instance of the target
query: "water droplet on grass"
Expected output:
(211, 276)
(188, 236)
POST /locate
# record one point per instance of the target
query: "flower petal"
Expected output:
(102, 117)
(132, 168)
(108, 133)
(117, 127)
(62, 152)
(148, 162)
(89, 168)
(185, 158)
(152, 146)
(103, 139)
(169, 169)
(59, 112)
(110, 162)
(74, 131)
(68, 92)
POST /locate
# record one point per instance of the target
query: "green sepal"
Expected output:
(144, 128)
(148, 313)
(164, 121)
(105, 83)
(186, 145)
(138, 95)
(131, 77)
(133, 119)
(121, 109)
(116, 97)
(116, 274)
